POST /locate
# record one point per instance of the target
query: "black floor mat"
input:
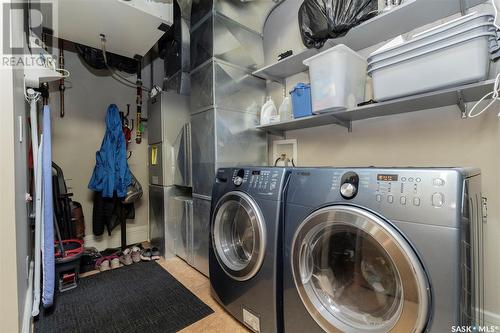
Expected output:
(142, 297)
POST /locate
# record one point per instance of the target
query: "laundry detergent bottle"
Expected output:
(267, 111)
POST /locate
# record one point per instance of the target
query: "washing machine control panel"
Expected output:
(265, 181)
(350, 183)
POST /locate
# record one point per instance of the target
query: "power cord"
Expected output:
(495, 96)
(120, 78)
(496, 14)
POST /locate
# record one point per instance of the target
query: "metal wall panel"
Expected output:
(238, 141)
(182, 154)
(202, 87)
(201, 230)
(203, 151)
(174, 206)
(218, 84)
(157, 217)
(223, 38)
(231, 141)
(199, 9)
(252, 14)
(180, 83)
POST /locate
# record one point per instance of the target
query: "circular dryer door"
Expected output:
(355, 273)
(238, 235)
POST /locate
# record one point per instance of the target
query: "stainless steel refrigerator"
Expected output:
(169, 163)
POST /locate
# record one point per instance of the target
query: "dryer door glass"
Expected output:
(239, 235)
(355, 272)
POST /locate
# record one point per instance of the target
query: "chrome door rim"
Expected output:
(398, 249)
(258, 224)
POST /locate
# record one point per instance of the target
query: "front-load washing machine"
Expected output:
(382, 250)
(245, 254)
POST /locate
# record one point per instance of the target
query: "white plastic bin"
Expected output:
(454, 28)
(447, 65)
(338, 79)
(418, 45)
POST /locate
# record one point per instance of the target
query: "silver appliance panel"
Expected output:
(155, 164)
(201, 231)
(155, 121)
(168, 142)
(223, 85)
(157, 217)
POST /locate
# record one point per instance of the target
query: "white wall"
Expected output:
(78, 136)
(8, 267)
(436, 137)
(14, 225)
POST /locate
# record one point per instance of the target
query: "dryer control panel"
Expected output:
(410, 194)
(262, 181)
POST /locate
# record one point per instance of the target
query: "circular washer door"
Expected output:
(238, 235)
(355, 273)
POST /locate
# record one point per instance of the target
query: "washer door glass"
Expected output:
(355, 272)
(238, 235)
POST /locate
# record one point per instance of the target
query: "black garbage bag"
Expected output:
(95, 59)
(320, 20)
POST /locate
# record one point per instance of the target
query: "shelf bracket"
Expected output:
(461, 104)
(276, 132)
(463, 7)
(344, 123)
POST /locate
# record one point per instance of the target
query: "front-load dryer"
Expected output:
(382, 250)
(245, 254)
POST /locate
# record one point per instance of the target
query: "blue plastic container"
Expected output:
(301, 100)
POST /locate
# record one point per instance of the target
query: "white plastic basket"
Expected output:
(479, 24)
(446, 65)
(338, 79)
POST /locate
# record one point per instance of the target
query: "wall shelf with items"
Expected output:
(410, 15)
(436, 99)
(289, 66)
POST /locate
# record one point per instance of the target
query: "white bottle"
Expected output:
(267, 111)
(285, 110)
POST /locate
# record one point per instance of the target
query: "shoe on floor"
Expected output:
(102, 264)
(155, 253)
(136, 254)
(126, 257)
(115, 261)
(146, 255)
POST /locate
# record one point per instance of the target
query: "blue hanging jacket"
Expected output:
(111, 172)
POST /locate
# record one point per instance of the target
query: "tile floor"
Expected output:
(219, 321)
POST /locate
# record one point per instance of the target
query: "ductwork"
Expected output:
(176, 50)
(249, 13)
